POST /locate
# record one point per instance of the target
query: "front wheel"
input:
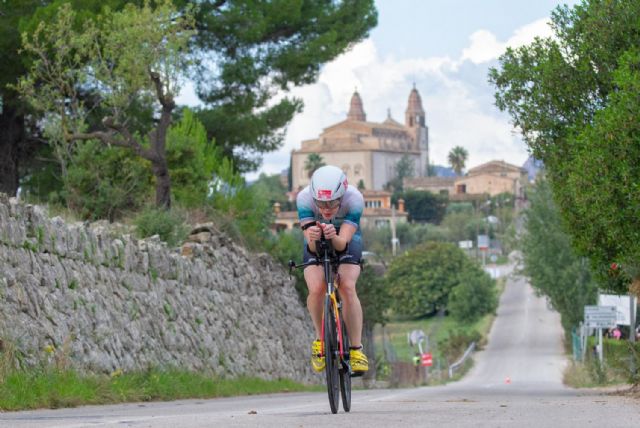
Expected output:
(331, 352)
(345, 369)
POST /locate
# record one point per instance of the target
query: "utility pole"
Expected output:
(394, 240)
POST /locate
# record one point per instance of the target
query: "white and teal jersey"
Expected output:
(349, 212)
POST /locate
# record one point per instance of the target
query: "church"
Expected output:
(368, 151)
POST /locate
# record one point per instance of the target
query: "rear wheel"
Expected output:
(345, 369)
(331, 355)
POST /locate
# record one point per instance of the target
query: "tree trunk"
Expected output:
(163, 184)
(11, 135)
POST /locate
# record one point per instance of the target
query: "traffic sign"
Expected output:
(426, 359)
(600, 316)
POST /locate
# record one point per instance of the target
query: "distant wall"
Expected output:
(106, 302)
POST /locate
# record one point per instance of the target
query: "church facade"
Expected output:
(368, 151)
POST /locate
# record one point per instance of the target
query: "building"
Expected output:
(491, 178)
(368, 151)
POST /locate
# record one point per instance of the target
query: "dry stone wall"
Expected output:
(105, 302)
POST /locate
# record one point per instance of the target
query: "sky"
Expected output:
(443, 47)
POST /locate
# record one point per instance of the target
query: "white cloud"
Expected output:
(457, 108)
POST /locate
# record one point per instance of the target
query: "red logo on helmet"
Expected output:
(345, 183)
(324, 194)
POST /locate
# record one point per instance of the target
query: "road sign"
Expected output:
(483, 242)
(426, 359)
(600, 316)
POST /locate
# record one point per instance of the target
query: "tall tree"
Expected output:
(133, 57)
(313, 162)
(457, 158)
(254, 52)
(551, 263)
(572, 96)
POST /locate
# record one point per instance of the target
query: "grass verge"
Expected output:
(53, 388)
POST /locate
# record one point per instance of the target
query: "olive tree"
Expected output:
(130, 58)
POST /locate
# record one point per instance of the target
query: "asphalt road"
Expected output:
(516, 382)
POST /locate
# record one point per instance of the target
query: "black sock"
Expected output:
(355, 348)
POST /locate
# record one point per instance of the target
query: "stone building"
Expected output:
(368, 151)
(491, 178)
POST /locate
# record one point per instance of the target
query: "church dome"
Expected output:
(356, 111)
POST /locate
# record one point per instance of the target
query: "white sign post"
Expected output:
(600, 317)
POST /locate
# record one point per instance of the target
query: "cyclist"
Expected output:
(331, 207)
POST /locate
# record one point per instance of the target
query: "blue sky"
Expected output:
(446, 48)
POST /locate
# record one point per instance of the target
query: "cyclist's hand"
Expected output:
(314, 233)
(329, 230)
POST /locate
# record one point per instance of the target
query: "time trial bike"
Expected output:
(335, 339)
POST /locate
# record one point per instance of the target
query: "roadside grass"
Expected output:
(54, 388)
(621, 360)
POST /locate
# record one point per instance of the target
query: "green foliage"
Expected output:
(423, 206)
(474, 297)
(260, 49)
(168, 224)
(422, 278)
(130, 61)
(105, 182)
(240, 210)
(373, 292)
(273, 190)
(378, 239)
(458, 340)
(457, 158)
(192, 160)
(550, 261)
(574, 97)
(287, 246)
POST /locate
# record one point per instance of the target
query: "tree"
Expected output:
(423, 206)
(552, 265)
(19, 136)
(422, 278)
(254, 52)
(474, 297)
(457, 158)
(313, 162)
(132, 58)
(572, 98)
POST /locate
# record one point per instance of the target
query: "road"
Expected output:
(516, 382)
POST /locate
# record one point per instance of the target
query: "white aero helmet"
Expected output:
(328, 183)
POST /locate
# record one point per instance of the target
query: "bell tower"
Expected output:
(414, 120)
(356, 111)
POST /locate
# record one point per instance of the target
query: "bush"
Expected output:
(168, 224)
(474, 297)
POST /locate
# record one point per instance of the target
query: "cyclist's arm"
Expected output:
(344, 237)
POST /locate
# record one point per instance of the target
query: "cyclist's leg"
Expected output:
(351, 309)
(314, 276)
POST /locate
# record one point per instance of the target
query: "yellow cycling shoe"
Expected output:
(317, 359)
(359, 362)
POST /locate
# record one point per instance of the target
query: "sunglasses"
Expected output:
(328, 204)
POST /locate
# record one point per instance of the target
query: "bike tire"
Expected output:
(331, 352)
(345, 370)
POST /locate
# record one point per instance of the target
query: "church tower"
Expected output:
(356, 111)
(414, 120)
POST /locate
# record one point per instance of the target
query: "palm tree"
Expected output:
(313, 162)
(457, 158)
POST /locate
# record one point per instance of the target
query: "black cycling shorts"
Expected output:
(351, 255)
